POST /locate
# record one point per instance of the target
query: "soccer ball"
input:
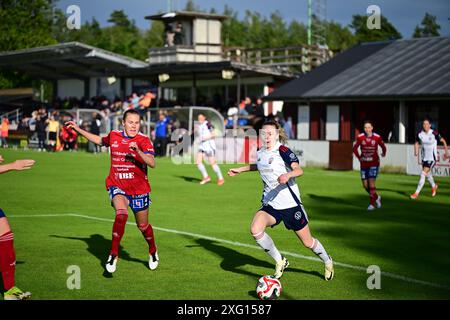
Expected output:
(268, 288)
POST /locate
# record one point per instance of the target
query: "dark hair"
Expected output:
(368, 121)
(426, 119)
(130, 111)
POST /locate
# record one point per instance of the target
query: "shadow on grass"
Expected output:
(99, 247)
(233, 260)
(189, 179)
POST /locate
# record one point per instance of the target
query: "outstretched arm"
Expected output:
(91, 137)
(17, 165)
(234, 171)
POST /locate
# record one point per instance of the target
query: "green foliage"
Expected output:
(429, 27)
(364, 34)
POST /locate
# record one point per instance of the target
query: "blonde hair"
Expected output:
(282, 136)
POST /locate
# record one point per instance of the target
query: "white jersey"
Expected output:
(429, 141)
(271, 165)
(205, 131)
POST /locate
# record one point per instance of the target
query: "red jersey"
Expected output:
(128, 170)
(369, 149)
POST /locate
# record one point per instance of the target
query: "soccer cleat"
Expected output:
(220, 182)
(16, 294)
(433, 190)
(153, 261)
(414, 196)
(280, 266)
(370, 208)
(378, 202)
(111, 265)
(329, 270)
(205, 180)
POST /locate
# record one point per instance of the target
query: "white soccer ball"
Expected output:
(268, 288)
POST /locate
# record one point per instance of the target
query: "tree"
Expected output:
(338, 37)
(364, 34)
(430, 28)
(24, 24)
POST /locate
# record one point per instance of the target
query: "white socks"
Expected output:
(421, 182)
(202, 169)
(320, 251)
(268, 245)
(217, 171)
(431, 180)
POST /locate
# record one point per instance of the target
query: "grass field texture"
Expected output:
(61, 216)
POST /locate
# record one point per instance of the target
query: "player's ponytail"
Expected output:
(282, 136)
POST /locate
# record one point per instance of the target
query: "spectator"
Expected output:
(53, 130)
(4, 132)
(288, 128)
(259, 108)
(95, 129)
(41, 132)
(249, 106)
(161, 132)
(179, 36)
(169, 35)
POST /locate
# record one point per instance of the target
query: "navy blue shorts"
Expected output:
(137, 203)
(428, 164)
(293, 218)
(369, 173)
(2, 214)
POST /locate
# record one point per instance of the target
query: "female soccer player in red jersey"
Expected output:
(127, 182)
(7, 252)
(370, 161)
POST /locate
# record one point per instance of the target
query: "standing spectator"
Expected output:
(95, 129)
(4, 132)
(53, 129)
(41, 132)
(169, 35)
(288, 128)
(259, 108)
(161, 131)
(179, 36)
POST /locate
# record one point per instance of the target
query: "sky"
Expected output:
(403, 14)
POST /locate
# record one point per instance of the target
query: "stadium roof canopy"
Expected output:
(67, 60)
(412, 68)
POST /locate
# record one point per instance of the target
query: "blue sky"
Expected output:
(404, 14)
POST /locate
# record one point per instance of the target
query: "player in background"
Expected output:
(369, 142)
(7, 252)
(427, 140)
(278, 167)
(127, 183)
(207, 148)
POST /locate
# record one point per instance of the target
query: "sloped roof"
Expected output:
(395, 69)
(67, 60)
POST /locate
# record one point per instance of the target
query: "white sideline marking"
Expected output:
(240, 244)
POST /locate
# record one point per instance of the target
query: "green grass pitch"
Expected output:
(202, 233)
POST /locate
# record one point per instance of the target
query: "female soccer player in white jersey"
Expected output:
(127, 183)
(278, 167)
(7, 252)
(207, 148)
(428, 139)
